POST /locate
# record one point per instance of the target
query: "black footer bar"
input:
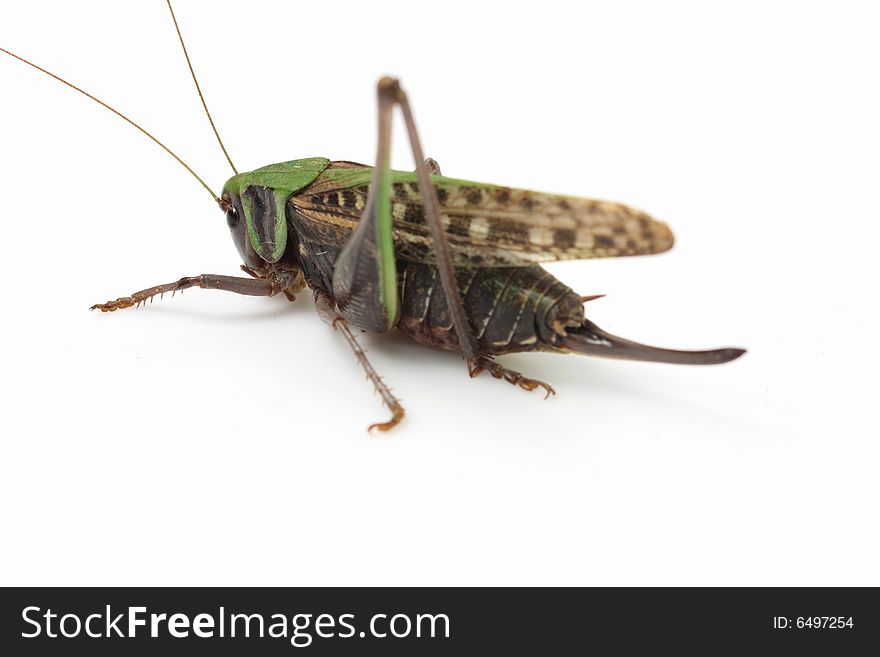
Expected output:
(429, 621)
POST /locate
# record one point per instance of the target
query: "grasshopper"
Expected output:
(453, 264)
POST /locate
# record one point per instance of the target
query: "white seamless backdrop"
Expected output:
(215, 439)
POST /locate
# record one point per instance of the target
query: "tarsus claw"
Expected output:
(396, 417)
(497, 370)
(110, 306)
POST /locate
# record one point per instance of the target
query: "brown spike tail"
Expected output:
(590, 340)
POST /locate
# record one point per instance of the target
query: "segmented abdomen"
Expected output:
(510, 309)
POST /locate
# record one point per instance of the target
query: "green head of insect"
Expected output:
(255, 204)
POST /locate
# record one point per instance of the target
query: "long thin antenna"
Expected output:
(120, 115)
(199, 89)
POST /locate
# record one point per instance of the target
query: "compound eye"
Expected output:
(231, 217)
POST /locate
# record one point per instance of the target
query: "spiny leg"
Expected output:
(467, 342)
(259, 287)
(365, 276)
(476, 362)
(484, 363)
(329, 314)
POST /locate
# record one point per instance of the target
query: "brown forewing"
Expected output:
(488, 226)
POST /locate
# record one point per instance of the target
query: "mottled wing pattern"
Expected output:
(487, 225)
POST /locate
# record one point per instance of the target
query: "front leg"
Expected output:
(258, 287)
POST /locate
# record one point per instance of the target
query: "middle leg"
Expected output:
(327, 311)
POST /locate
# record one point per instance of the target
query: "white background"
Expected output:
(215, 439)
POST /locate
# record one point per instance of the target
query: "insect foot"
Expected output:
(480, 364)
(396, 416)
(110, 306)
